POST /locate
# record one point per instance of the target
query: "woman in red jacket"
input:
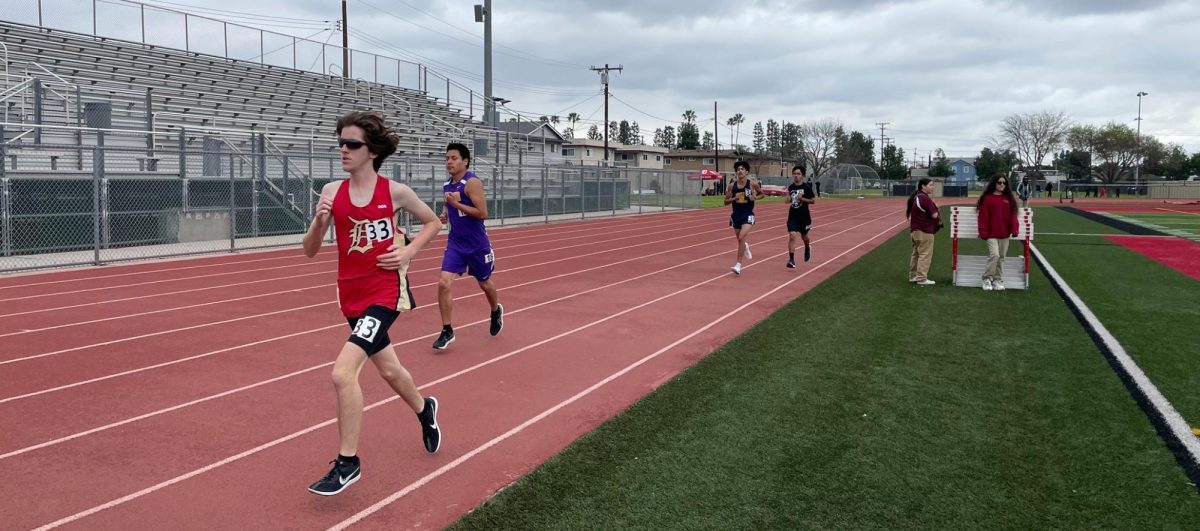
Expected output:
(997, 210)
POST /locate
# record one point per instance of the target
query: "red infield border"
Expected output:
(1146, 206)
(201, 399)
(1176, 253)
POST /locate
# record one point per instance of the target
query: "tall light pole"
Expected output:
(483, 13)
(1137, 170)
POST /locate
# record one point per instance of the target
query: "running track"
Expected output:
(195, 394)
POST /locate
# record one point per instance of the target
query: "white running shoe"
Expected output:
(998, 285)
(748, 255)
(737, 268)
(925, 282)
(987, 284)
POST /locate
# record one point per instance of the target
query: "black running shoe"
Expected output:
(431, 433)
(444, 340)
(791, 264)
(342, 475)
(807, 253)
(498, 319)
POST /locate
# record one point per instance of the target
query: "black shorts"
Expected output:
(799, 224)
(369, 330)
(738, 219)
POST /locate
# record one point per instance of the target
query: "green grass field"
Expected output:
(873, 403)
(1177, 223)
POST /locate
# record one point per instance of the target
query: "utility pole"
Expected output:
(882, 126)
(345, 43)
(604, 80)
(716, 143)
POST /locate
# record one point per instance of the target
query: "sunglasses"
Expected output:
(999, 183)
(352, 144)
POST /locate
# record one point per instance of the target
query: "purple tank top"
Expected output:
(466, 233)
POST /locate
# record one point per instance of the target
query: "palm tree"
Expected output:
(734, 122)
(573, 117)
(689, 116)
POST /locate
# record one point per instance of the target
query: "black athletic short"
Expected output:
(369, 330)
(800, 224)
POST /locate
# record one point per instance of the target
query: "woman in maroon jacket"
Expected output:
(997, 211)
(923, 221)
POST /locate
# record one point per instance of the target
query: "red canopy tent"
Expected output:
(705, 175)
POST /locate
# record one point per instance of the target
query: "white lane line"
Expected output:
(154, 488)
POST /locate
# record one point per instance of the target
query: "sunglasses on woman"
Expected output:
(352, 144)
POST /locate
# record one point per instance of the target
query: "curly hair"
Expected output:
(380, 139)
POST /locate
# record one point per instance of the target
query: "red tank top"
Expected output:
(363, 232)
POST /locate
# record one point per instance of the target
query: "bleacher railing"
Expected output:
(108, 199)
(160, 26)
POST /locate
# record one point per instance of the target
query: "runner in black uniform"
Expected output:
(742, 193)
(799, 218)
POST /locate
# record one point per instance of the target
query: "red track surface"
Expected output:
(1176, 253)
(195, 394)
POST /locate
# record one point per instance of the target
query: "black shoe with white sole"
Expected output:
(444, 340)
(431, 433)
(342, 475)
(497, 319)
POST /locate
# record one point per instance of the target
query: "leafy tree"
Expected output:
(990, 163)
(789, 138)
(941, 165)
(893, 166)
(689, 136)
(669, 139)
(760, 138)
(594, 133)
(1114, 146)
(706, 141)
(774, 140)
(624, 133)
(855, 148)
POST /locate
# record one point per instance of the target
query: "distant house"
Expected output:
(586, 152)
(964, 171)
(641, 156)
(542, 138)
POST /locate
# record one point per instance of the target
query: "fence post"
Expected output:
(256, 173)
(613, 182)
(582, 194)
(641, 199)
(232, 205)
(545, 176)
(498, 176)
(5, 208)
(183, 170)
(97, 175)
(520, 192)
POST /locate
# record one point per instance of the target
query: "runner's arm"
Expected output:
(322, 217)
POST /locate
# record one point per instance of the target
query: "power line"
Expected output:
(469, 43)
(534, 57)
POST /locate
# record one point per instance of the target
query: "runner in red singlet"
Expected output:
(373, 258)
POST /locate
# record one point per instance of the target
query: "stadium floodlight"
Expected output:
(1137, 170)
(483, 13)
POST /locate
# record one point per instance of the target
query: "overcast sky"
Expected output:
(942, 73)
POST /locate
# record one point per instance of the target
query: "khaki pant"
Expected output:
(922, 255)
(997, 249)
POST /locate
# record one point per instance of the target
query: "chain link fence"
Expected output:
(117, 196)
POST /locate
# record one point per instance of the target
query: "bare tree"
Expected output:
(818, 141)
(1034, 136)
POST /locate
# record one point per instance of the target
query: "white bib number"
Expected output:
(367, 327)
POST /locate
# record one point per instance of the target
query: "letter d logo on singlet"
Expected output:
(365, 233)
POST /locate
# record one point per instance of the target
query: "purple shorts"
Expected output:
(479, 264)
